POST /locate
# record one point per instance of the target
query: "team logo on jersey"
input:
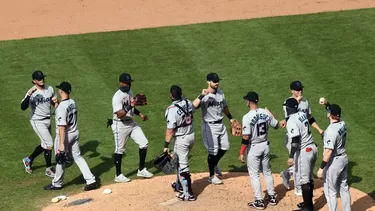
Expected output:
(59, 119)
(213, 103)
(39, 99)
(292, 130)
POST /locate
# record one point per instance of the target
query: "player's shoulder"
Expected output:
(220, 91)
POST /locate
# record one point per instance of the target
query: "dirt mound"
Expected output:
(234, 194)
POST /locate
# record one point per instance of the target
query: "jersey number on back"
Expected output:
(261, 129)
(308, 127)
(72, 117)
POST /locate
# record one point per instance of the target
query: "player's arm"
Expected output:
(197, 102)
(170, 132)
(137, 112)
(294, 134)
(329, 141)
(246, 133)
(62, 129)
(119, 109)
(313, 123)
(26, 100)
(283, 121)
(273, 121)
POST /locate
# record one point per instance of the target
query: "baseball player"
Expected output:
(303, 152)
(303, 106)
(334, 166)
(39, 98)
(255, 126)
(179, 116)
(124, 127)
(215, 137)
(67, 140)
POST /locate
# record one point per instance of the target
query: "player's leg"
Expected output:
(286, 174)
(211, 144)
(306, 162)
(121, 133)
(266, 166)
(344, 187)
(254, 156)
(57, 181)
(296, 174)
(223, 147)
(139, 137)
(81, 163)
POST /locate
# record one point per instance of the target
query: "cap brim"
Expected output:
(59, 87)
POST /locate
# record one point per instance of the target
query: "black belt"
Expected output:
(44, 118)
(216, 122)
(339, 154)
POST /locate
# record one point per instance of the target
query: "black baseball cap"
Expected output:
(334, 110)
(65, 86)
(125, 77)
(291, 103)
(252, 97)
(212, 77)
(38, 75)
(296, 85)
(176, 92)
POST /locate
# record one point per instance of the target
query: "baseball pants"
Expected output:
(215, 137)
(182, 147)
(122, 130)
(305, 160)
(43, 129)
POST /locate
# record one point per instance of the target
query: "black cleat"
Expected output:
(175, 189)
(51, 187)
(257, 204)
(91, 186)
(272, 200)
(300, 205)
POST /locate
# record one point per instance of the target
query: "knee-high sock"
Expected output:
(307, 196)
(37, 151)
(48, 157)
(211, 164)
(142, 158)
(118, 158)
(219, 155)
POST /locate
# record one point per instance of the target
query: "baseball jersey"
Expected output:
(298, 125)
(40, 103)
(180, 118)
(212, 106)
(66, 115)
(303, 106)
(119, 101)
(335, 137)
(256, 123)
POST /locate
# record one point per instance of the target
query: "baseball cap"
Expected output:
(65, 86)
(252, 97)
(212, 77)
(296, 85)
(334, 110)
(38, 75)
(176, 92)
(125, 77)
(291, 103)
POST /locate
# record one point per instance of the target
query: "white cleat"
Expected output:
(50, 172)
(298, 191)
(122, 178)
(144, 173)
(214, 180)
(218, 171)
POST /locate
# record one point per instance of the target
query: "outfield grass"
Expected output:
(331, 53)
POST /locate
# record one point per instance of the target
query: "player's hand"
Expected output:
(241, 159)
(166, 150)
(322, 101)
(204, 92)
(143, 117)
(31, 90)
(299, 98)
(320, 173)
(55, 102)
(283, 123)
(132, 102)
(290, 161)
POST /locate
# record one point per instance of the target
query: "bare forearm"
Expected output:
(227, 113)
(168, 135)
(61, 138)
(327, 155)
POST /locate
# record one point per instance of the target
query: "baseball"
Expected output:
(107, 191)
(55, 200)
(322, 101)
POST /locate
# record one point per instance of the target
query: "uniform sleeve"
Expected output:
(52, 91)
(224, 101)
(246, 130)
(273, 122)
(309, 112)
(284, 109)
(191, 107)
(329, 139)
(61, 116)
(171, 119)
(292, 129)
(116, 103)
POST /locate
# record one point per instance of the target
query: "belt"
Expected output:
(339, 154)
(216, 122)
(42, 119)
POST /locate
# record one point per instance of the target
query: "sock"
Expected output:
(142, 158)
(48, 157)
(118, 158)
(307, 196)
(211, 164)
(37, 151)
(219, 155)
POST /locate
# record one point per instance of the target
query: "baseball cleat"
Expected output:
(175, 188)
(257, 204)
(298, 191)
(51, 187)
(27, 163)
(218, 171)
(50, 172)
(144, 173)
(300, 205)
(272, 200)
(122, 178)
(284, 176)
(214, 180)
(91, 186)
(182, 197)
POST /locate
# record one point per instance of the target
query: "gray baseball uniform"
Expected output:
(214, 133)
(125, 127)
(256, 124)
(66, 115)
(336, 171)
(306, 154)
(40, 114)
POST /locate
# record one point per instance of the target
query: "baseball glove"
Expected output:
(166, 163)
(236, 128)
(61, 157)
(140, 99)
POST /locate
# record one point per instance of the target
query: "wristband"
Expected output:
(312, 120)
(245, 142)
(200, 97)
(166, 144)
(230, 116)
(243, 149)
(127, 108)
(323, 164)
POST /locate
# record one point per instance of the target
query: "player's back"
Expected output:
(258, 121)
(336, 134)
(179, 115)
(299, 121)
(66, 114)
(212, 106)
(303, 106)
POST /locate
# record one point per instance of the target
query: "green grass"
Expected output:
(331, 53)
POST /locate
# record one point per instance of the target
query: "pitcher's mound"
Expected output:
(156, 194)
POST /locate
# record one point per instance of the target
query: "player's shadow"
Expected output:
(352, 178)
(365, 202)
(90, 146)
